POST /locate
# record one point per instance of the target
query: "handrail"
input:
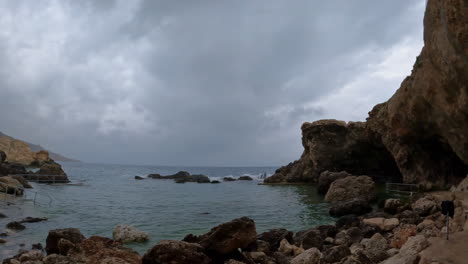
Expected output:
(40, 178)
(35, 196)
(391, 187)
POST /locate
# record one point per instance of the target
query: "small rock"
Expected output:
(15, 226)
(392, 206)
(245, 178)
(336, 254)
(375, 248)
(2, 241)
(288, 249)
(382, 223)
(354, 206)
(175, 252)
(33, 219)
(274, 237)
(214, 182)
(401, 235)
(139, 178)
(126, 233)
(228, 179)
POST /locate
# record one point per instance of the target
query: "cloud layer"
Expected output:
(196, 82)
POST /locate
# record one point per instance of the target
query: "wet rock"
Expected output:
(227, 237)
(215, 182)
(274, 237)
(228, 179)
(336, 254)
(392, 206)
(310, 256)
(354, 206)
(15, 226)
(175, 252)
(327, 178)
(71, 234)
(401, 235)
(33, 219)
(139, 178)
(126, 233)
(245, 178)
(351, 187)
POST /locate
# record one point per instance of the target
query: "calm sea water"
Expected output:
(109, 195)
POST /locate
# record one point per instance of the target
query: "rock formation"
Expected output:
(420, 134)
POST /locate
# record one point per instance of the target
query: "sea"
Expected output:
(102, 196)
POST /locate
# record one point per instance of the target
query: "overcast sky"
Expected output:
(208, 82)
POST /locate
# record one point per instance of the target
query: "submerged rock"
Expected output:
(126, 233)
(228, 179)
(139, 178)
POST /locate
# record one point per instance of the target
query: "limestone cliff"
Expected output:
(420, 134)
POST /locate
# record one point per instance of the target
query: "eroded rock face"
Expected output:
(420, 133)
(336, 146)
(424, 124)
(18, 151)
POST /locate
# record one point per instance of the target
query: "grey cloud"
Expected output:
(190, 82)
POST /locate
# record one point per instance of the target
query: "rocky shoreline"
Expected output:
(398, 233)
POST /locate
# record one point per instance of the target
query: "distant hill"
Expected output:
(36, 148)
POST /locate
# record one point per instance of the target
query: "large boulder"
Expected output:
(228, 237)
(425, 206)
(175, 252)
(310, 256)
(354, 206)
(375, 248)
(10, 185)
(327, 178)
(362, 187)
(126, 233)
(71, 234)
(336, 254)
(337, 146)
(409, 252)
(274, 237)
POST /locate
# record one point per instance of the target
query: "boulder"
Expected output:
(71, 234)
(462, 186)
(382, 223)
(409, 252)
(351, 187)
(52, 173)
(349, 237)
(274, 237)
(288, 249)
(11, 186)
(126, 233)
(22, 180)
(347, 221)
(230, 236)
(392, 206)
(245, 178)
(401, 234)
(33, 219)
(311, 238)
(139, 178)
(228, 179)
(175, 252)
(425, 206)
(310, 256)
(336, 254)
(215, 182)
(355, 206)
(375, 248)
(327, 178)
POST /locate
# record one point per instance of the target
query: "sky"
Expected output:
(196, 83)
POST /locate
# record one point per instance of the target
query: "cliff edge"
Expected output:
(420, 135)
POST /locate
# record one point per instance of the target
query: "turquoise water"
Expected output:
(109, 195)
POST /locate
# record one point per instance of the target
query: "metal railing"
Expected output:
(401, 189)
(16, 192)
(41, 178)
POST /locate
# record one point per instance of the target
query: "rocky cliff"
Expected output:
(421, 134)
(25, 153)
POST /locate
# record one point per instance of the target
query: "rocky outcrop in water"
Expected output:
(182, 177)
(126, 233)
(419, 135)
